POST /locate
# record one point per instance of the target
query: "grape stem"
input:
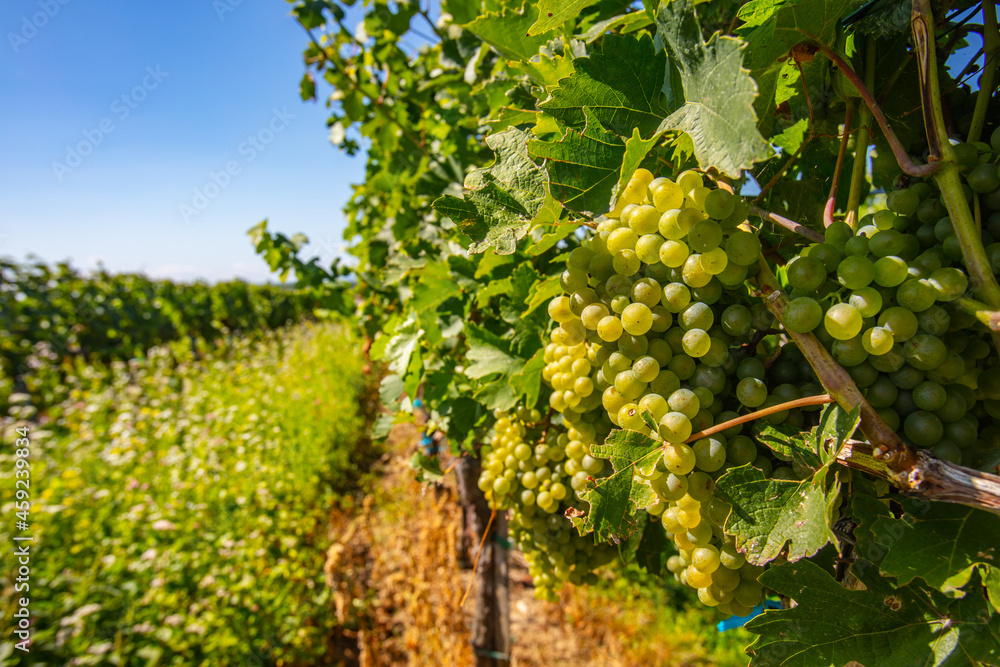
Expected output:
(861, 143)
(982, 312)
(831, 201)
(790, 225)
(991, 48)
(902, 157)
(984, 283)
(821, 399)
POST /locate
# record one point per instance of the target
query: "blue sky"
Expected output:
(151, 136)
(117, 116)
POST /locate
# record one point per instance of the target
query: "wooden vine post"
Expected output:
(491, 615)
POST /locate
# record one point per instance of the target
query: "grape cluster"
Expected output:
(655, 297)
(886, 300)
(537, 484)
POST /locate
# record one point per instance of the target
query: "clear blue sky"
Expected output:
(182, 87)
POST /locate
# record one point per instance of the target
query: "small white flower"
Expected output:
(174, 620)
(164, 524)
(148, 554)
(195, 629)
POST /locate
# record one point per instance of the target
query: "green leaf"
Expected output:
(767, 513)
(772, 28)
(528, 382)
(542, 292)
(836, 425)
(718, 111)
(882, 625)
(553, 13)
(636, 150)
(508, 32)
(582, 166)
(789, 443)
(402, 345)
(502, 199)
(627, 22)
(939, 542)
(613, 501)
(620, 85)
(487, 354)
(654, 548)
(991, 579)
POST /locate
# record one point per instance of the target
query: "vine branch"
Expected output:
(821, 399)
(790, 225)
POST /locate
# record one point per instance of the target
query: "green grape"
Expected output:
(644, 220)
(647, 291)
(842, 321)
(696, 342)
(622, 238)
(714, 261)
(877, 340)
(867, 300)
(743, 248)
(751, 367)
(593, 314)
(948, 283)
(925, 351)
(667, 195)
(704, 236)
(685, 402)
(675, 427)
(915, 295)
(904, 202)
(698, 315)
(676, 297)
(694, 274)
(559, 309)
(900, 321)
(637, 319)
(710, 453)
(751, 392)
(806, 273)
(674, 253)
(922, 428)
(720, 204)
(855, 272)
(626, 262)
(802, 315)
(610, 328)
(736, 320)
(648, 248)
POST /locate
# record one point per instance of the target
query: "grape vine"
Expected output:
(616, 253)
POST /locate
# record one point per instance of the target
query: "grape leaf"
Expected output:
(789, 443)
(772, 28)
(620, 85)
(615, 499)
(402, 345)
(501, 201)
(542, 292)
(939, 542)
(836, 425)
(636, 150)
(882, 625)
(553, 13)
(991, 579)
(627, 22)
(767, 513)
(507, 32)
(718, 112)
(582, 165)
(488, 354)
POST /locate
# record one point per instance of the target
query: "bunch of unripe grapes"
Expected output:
(657, 297)
(537, 484)
(887, 301)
